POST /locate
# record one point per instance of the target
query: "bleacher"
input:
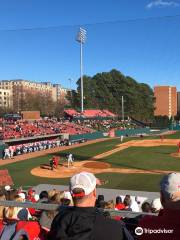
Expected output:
(90, 113)
(129, 217)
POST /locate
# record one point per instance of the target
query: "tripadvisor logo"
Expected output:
(138, 231)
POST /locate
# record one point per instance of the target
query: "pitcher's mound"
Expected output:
(97, 165)
(64, 171)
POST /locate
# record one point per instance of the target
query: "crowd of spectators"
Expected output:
(28, 129)
(107, 124)
(25, 129)
(80, 215)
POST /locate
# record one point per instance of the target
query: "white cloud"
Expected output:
(162, 3)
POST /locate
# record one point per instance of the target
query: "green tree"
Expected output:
(105, 91)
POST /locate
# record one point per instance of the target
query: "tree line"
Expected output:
(105, 91)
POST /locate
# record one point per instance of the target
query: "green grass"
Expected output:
(140, 182)
(20, 171)
(145, 158)
(133, 157)
(86, 152)
(174, 136)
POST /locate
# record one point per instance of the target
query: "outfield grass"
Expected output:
(133, 157)
(145, 158)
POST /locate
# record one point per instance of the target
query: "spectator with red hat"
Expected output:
(31, 198)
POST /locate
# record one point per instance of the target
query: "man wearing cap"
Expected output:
(166, 225)
(83, 221)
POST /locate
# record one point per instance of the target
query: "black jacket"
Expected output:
(84, 223)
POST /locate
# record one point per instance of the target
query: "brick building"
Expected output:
(178, 101)
(166, 101)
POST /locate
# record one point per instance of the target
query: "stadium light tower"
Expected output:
(122, 107)
(81, 38)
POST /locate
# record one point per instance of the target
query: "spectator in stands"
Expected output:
(2, 198)
(168, 222)
(57, 197)
(156, 205)
(134, 206)
(109, 205)
(51, 193)
(10, 193)
(100, 203)
(43, 197)
(18, 213)
(127, 202)
(31, 198)
(146, 207)
(119, 204)
(83, 221)
(47, 217)
(67, 199)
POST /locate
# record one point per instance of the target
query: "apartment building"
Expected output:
(166, 101)
(17, 89)
(5, 98)
(178, 101)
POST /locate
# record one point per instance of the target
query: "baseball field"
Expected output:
(135, 164)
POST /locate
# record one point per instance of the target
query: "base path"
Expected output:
(101, 167)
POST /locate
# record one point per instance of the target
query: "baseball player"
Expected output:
(178, 147)
(70, 159)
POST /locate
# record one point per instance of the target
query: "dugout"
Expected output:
(18, 141)
(2, 147)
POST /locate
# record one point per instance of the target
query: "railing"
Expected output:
(49, 206)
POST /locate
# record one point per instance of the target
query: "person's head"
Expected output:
(100, 203)
(51, 193)
(118, 200)
(156, 205)
(127, 200)
(10, 195)
(43, 194)
(100, 198)
(31, 192)
(109, 205)
(57, 197)
(137, 199)
(83, 189)
(67, 199)
(170, 190)
(146, 207)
